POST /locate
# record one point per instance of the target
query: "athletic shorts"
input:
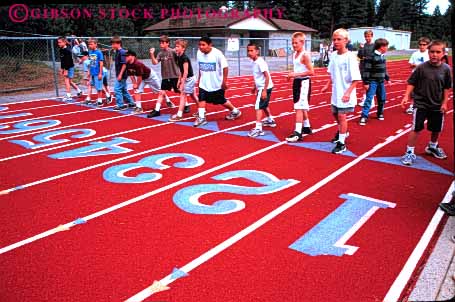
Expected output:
(435, 120)
(170, 84)
(336, 110)
(153, 81)
(94, 82)
(301, 90)
(212, 97)
(262, 103)
(189, 85)
(70, 73)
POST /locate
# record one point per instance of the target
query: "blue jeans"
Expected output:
(378, 89)
(121, 92)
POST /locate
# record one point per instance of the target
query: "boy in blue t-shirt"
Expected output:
(83, 58)
(95, 72)
(121, 74)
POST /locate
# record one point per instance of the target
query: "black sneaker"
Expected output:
(339, 148)
(118, 108)
(307, 130)
(335, 138)
(363, 121)
(79, 94)
(294, 137)
(448, 208)
(108, 99)
(99, 103)
(381, 117)
(154, 113)
(436, 152)
(186, 109)
(132, 105)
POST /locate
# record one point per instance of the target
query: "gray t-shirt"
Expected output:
(429, 82)
(169, 68)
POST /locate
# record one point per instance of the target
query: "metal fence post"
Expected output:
(238, 58)
(287, 56)
(53, 66)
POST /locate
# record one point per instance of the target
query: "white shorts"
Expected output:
(153, 81)
(189, 85)
(302, 94)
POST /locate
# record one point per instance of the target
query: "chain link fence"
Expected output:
(31, 65)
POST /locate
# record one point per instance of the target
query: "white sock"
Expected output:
(410, 149)
(79, 90)
(433, 145)
(259, 125)
(201, 112)
(68, 95)
(306, 123)
(179, 113)
(298, 127)
(108, 94)
(342, 137)
(157, 106)
(270, 119)
(138, 104)
(186, 103)
(100, 100)
(167, 98)
(235, 110)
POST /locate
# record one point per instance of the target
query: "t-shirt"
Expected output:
(429, 82)
(184, 59)
(169, 68)
(419, 57)
(259, 66)
(211, 67)
(86, 66)
(120, 60)
(343, 70)
(95, 57)
(137, 68)
(66, 58)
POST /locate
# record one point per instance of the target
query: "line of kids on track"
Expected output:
(429, 84)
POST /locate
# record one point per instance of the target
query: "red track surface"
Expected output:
(122, 251)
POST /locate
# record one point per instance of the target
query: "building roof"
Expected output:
(222, 23)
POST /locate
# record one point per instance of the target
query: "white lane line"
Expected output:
(140, 296)
(400, 282)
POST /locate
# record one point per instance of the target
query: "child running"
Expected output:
(263, 90)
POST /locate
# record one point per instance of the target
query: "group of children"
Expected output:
(429, 83)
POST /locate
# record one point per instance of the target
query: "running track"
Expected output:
(98, 205)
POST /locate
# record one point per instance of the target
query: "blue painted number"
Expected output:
(187, 198)
(97, 149)
(329, 237)
(29, 125)
(116, 174)
(45, 139)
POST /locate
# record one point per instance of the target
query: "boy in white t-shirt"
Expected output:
(417, 58)
(344, 76)
(263, 86)
(213, 73)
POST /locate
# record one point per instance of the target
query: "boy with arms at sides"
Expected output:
(67, 67)
(186, 82)
(301, 87)
(430, 83)
(263, 86)
(95, 72)
(140, 75)
(213, 73)
(120, 86)
(365, 52)
(344, 76)
(84, 60)
(169, 73)
(375, 73)
(418, 57)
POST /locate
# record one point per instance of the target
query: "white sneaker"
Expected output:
(256, 132)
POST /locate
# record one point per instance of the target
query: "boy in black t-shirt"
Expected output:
(186, 81)
(67, 67)
(430, 82)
